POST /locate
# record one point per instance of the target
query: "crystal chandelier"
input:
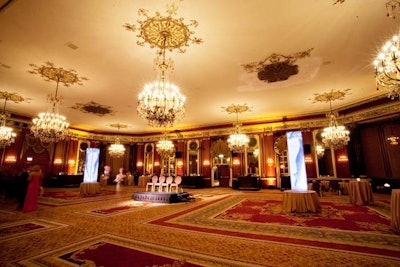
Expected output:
(387, 68)
(117, 150)
(7, 135)
(237, 142)
(50, 126)
(165, 148)
(320, 151)
(334, 135)
(160, 102)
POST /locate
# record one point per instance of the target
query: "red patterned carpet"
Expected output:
(222, 227)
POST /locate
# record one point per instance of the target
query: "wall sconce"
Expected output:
(343, 158)
(179, 164)
(308, 159)
(236, 162)
(270, 162)
(71, 162)
(156, 163)
(29, 159)
(11, 159)
(393, 140)
(57, 161)
(139, 164)
(206, 163)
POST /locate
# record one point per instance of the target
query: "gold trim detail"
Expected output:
(164, 32)
(236, 108)
(277, 67)
(60, 75)
(330, 96)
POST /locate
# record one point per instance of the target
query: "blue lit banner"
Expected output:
(91, 165)
(297, 164)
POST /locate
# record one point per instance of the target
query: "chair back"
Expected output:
(178, 180)
(169, 180)
(162, 179)
(154, 179)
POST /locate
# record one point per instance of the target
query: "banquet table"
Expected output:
(395, 211)
(298, 201)
(143, 180)
(360, 192)
(89, 188)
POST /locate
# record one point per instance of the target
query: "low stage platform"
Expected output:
(161, 197)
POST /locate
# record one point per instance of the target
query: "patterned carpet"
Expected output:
(222, 227)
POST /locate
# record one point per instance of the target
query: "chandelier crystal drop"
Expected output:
(117, 150)
(387, 68)
(51, 126)
(237, 142)
(165, 148)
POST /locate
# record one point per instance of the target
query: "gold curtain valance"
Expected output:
(220, 147)
(36, 145)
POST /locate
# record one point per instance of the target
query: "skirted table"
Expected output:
(395, 211)
(89, 188)
(143, 180)
(360, 192)
(299, 201)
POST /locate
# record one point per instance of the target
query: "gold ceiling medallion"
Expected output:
(277, 67)
(59, 75)
(164, 32)
(94, 108)
(330, 96)
(335, 135)
(391, 7)
(161, 102)
(50, 126)
(338, 2)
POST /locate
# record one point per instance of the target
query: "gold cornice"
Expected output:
(391, 108)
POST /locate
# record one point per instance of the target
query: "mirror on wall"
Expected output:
(148, 158)
(193, 156)
(253, 156)
(325, 158)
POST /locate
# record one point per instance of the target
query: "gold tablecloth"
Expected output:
(143, 181)
(360, 193)
(295, 201)
(395, 210)
(89, 188)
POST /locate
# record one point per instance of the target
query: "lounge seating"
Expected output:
(176, 184)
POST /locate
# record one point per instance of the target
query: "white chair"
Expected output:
(176, 184)
(157, 185)
(153, 181)
(167, 184)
